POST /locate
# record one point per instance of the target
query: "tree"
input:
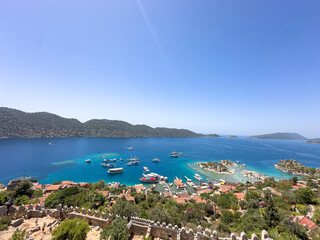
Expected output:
(304, 196)
(116, 231)
(316, 216)
(159, 214)
(226, 217)
(21, 200)
(18, 235)
(73, 229)
(3, 198)
(270, 213)
(24, 188)
(125, 208)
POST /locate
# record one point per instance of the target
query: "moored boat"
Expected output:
(146, 169)
(174, 155)
(107, 165)
(156, 160)
(115, 170)
(198, 177)
(88, 161)
(179, 183)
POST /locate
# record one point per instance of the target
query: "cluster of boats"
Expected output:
(202, 183)
(153, 178)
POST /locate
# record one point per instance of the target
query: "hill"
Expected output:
(15, 123)
(283, 136)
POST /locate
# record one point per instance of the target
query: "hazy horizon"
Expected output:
(227, 67)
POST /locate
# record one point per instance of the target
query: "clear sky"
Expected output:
(212, 66)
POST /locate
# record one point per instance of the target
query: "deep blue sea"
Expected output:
(65, 158)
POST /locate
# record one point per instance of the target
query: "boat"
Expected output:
(179, 183)
(149, 180)
(181, 153)
(130, 148)
(129, 164)
(222, 182)
(115, 170)
(113, 160)
(156, 160)
(135, 162)
(88, 160)
(146, 169)
(121, 159)
(171, 184)
(198, 177)
(189, 182)
(174, 155)
(108, 165)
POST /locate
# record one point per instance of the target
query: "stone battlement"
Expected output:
(136, 226)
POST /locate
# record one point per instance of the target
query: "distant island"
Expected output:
(282, 136)
(315, 140)
(212, 135)
(19, 124)
(293, 167)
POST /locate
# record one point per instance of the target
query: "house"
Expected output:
(206, 190)
(52, 188)
(139, 188)
(239, 196)
(305, 221)
(37, 187)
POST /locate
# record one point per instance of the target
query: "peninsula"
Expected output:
(19, 124)
(293, 167)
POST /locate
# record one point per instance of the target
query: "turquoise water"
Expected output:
(65, 159)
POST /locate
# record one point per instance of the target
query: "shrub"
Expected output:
(116, 231)
(18, 235)
(5, 223)
(21, 200)
(302, 209)
(73, 229)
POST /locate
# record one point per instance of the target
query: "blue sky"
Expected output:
(212, 66)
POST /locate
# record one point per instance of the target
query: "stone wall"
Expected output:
(136, 226)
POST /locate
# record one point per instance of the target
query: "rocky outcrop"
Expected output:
(253, 175)
(215, 167)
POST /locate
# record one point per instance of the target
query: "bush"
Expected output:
(116, 231)
(24, 188)
(5, 223)
(21, 200)
(3, 198)
(73, 229)
(18, 235)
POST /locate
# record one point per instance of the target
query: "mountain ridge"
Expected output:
(18, 124)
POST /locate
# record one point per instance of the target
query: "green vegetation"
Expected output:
(5, 223)
(116, 231)
(293, 167)
(15, 123)
(73, 229)
(18, 235)
(74, 196)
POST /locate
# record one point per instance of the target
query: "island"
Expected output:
(282, 136)
(232, 136)
(212, 135)
(218, 167)
(314, 141)
(18, 124)
(253, 175)
(293, 167)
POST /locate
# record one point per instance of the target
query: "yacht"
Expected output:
(88, 160)
(146, 169)
(198, 177)
(130, 148)
(113, 160)
(121, 159)
(129, 164)
(115, 170)
(174, 155)
(156, 160)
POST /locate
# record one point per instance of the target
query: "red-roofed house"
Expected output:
(198, 199)
(67, 182)
(37, 187)
(52, 188)
(139, 188)
(304, 220)
(240, 196)
(298, 185)
(206, 190)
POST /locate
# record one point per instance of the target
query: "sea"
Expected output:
(56, 159)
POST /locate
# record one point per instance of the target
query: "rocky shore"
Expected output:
(293, 167)
(253, 175)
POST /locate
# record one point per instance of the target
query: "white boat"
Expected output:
(129, 164)
(88, 160)
(130, 148)
(108, 165)
(135, 162)
(146, 169)
(113, 160)
(115, 170)
(171, 184)
(198, 177)
(121, 159)
(156, 160)
(174, 155)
